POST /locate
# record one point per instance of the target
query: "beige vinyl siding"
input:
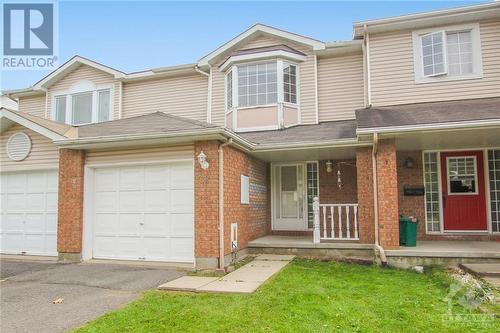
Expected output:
(393, 79)
(34, 105)
(86, 73)
(307, 84)
(340, 86)
(140, 154)
(184, 96)
(44, 154)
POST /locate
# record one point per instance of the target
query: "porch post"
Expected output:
(316, 231)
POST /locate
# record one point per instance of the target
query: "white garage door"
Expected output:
(29, 213)
(144, 213)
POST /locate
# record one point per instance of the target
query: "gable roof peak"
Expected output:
(256, 29)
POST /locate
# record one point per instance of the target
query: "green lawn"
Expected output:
(307, 296)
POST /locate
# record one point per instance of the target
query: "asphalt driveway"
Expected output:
(28, 289)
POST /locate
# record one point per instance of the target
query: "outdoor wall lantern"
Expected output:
(409, 163)
(329, 166)
(202, 159)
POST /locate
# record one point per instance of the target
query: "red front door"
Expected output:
(464, 199)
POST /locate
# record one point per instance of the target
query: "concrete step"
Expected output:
(482, 270)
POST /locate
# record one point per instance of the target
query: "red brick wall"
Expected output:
(329, 191)
(70, 202)
(388, 194)
(364, 177)
(253, 219)
(206, 201)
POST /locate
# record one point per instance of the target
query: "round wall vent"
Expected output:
(18, 146)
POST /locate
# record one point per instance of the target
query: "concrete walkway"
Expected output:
(244, 280)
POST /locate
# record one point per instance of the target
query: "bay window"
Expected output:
(82, 108)
(260, 84)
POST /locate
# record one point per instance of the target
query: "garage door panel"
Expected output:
(131, 178)
(35, 223)
(37, 181)
(51, 243)
(51, 223)
(182, 225)
(12, 242)
(130, 224)
(106, 180)
(104, 246)
(182, 200)
(156, 200)
(156, 248)
(156, 177)
(15, 202)
(156, 224)
(14, 183)
(129, 247)
(13, 223)
(52, 181)
(182, 175)
(106, 202)
(131, 201)
(35, 202)
(106, 224)
(35, 242)
(182, 248)
(51, 202)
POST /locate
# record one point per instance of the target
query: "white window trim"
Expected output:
(477, 60)
(79, 88)
(476, 185)
(280, 99)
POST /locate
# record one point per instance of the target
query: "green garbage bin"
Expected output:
(407, 231)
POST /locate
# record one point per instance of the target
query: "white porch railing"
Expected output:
(335, 221)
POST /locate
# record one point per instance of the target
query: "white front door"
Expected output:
(28, 222)
(289, 197)
(144, 212)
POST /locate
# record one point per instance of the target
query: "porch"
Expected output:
(434, 252)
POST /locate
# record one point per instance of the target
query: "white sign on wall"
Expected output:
(245, 190)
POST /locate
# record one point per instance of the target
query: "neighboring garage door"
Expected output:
(144, 212)
(29, 213)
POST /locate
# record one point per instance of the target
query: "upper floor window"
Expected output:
(447, 54)
(81, 108)
(250, 85)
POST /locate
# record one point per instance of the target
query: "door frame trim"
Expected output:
(88, 202)
(273, 192)
(487, 193)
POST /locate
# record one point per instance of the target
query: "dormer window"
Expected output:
(261, 84)
(450, 53)
(83, 104)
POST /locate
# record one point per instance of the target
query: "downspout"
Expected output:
(378, 247)
(368, 74)
(209, 94)
(221, 202)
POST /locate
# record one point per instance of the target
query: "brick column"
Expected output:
(388, 194)
(365, 195)
(70, 204)
(206, 198)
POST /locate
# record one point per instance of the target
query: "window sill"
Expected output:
(444, 78)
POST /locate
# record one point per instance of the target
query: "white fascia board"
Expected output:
(160, 72)
(4, 113)
(260, 28)
(425, 127)
(69, 65)
(261, 56)
(439, 17)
